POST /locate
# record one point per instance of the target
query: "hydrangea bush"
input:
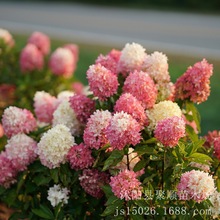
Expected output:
(129, 148)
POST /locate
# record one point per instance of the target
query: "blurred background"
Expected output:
(185, 30)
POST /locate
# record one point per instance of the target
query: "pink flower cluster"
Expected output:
(217, 147)
(79, 157)
(16, 120)
(110, 61)
(196, 185)
(41, 41)
(194, 84)
(31, 58)
(123, 130)
(95, 132)
(92, 180)
(8, 172)
(102, 81)
(82, 106)
(44, 106)
(126, 185)
(141, 86)
(129, 104)
(169, 130)
(21, 150)
(210, 138)
(62, 62)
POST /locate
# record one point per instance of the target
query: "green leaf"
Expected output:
(43, 212)
(41, 180)
(144, 149)
(190, 107)
(55, 175)
(140, 165)
(107, 190)
(200, 158)
(113, 207)
(115, 157)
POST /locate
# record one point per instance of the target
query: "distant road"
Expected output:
(169, 32)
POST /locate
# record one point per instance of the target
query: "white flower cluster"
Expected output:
(54, 146)
(132, 57)
(65, 115)
(57, 194)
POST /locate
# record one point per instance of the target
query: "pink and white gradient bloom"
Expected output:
(65, 115)
(194, 84)
(196, 185)
(103, 83)
(75, 52)
(54, 145)
(141, 86)
(6, 37)
(123, 130)
(92, 180)
(8, 172)
(31, 59)
(162, 110)
(95, 132)
(156, 66)
(16, 120)
(129, 104)
(62, 62)
(131, 59)
(21, 150)
(80, 157)
(44, 106)
(41, 41)
(82, 106)
(126, 185)
(217, 147)
(169, 130)
(110, 61)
